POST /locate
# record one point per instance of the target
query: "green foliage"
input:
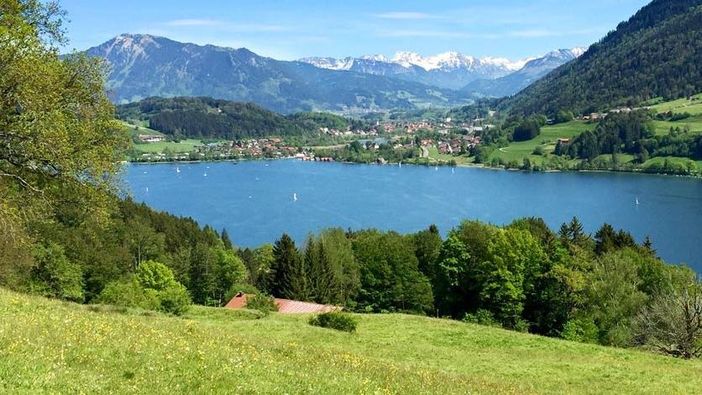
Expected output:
(154, 275)
(261, 302)
(152, 287)
(174, 299)
(581, 330)
(481, 317)
(527, 130)
(390, 276)
(55, 275)
(335, 320)
(129, 293)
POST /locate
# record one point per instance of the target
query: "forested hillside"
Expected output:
(204, 117)
(655, 54)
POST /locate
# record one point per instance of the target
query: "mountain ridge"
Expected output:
(449, 70)
(144, 65)
(655, 53)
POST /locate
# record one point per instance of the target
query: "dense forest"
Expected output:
(207, 118)
(654, 54)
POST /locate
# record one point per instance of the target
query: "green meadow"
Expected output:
(47, 346)
(547, 139)
(176, 147)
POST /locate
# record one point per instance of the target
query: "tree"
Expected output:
(526, 130)
(55, 275)
(226, 240)
(58, 135)
(143, 241)
(672, 324)
(390, 277)
(155, 275)
(572, 233)
(290, 278)
(345, 269)
(564, 116)
(427, 244)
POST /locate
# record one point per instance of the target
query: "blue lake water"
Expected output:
(255, 201)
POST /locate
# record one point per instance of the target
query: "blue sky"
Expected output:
(287, 29)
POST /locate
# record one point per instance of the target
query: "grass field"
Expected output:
(54, 347)
(694, 124)
(182, 146)
(137, 130)
(693, 106)
(435, 155)
(547, 139)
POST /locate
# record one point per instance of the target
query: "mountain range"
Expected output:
(142, 66)
(453, 70)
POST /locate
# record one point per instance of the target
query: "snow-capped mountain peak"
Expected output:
(330, 63)
(376, 58)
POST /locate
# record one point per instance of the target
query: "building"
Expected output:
(285, 306)
(151, 138)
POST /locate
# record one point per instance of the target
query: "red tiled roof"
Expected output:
(285, 306)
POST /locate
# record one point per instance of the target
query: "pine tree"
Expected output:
(226, 240)
(290, 276)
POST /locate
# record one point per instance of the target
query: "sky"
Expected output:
(288, 29)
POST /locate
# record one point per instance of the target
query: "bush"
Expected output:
(129, 293)
(481, 317)
(174, 300)
(335, 320)
(581, 330)
(262, 303)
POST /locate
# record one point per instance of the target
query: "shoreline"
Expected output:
(463, 165)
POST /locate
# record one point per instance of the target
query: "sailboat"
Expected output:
(205, 175)
(637, 200)
(177, 169)
(453, 170)
(294, 197)
(400, 164)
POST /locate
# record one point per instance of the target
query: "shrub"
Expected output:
(55, 275)
(129, 293)
(335, 320)
(262, 303)
(481, 317)
(581, 330)
(174, 300)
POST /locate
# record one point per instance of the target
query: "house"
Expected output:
(151, 138)
(563, 141)
(285, 306)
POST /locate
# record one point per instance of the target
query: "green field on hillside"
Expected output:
(182, 146)
(547, 139)
(692, 105)
(694, 124)
(54, 347)
(137, 130)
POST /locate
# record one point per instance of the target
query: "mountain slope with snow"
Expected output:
(451, 70)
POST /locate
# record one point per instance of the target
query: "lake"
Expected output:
(256, 201)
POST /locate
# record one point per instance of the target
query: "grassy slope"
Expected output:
(548, 138)
(49, 346)
(693, 107)
(183, 146)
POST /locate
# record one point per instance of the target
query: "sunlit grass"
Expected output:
(49, 346)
